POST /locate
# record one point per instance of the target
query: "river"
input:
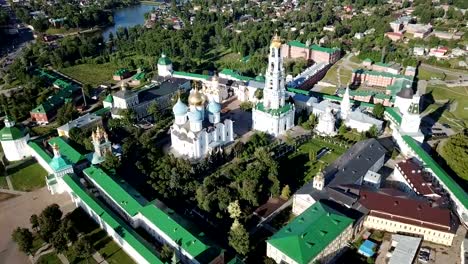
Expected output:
(128, 17)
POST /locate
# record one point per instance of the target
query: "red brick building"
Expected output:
(295, 49)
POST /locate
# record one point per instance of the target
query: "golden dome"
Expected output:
(276, 42)
(196, 98)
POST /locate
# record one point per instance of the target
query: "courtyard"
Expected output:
(311, 156)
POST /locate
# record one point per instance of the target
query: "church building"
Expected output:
(198, 129)
(14, 141)
(274, 115)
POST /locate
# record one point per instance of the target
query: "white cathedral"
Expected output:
(273, 114)
(198, 129)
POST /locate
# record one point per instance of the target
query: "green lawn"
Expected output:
(45, 129)
(109, 250)
(115, 254)
(302, 168)
(428, 75)
(328, 90)
(332, 75)
(54, 31)
(457, 112)
(28, 178)
(50, 258)
(94, 74)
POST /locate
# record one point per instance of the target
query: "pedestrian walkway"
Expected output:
(63, 258)
(98, 258)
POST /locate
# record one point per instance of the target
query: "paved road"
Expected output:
(16, 212)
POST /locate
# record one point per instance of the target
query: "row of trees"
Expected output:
(455, 153)
(55, 230)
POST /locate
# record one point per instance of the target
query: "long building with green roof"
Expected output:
(124, 235)
(319, 234)
(295, 49)
(163, 226)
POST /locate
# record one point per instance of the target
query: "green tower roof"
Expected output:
(58, 163)
(109, 98)
(164, 60)
(10, 133)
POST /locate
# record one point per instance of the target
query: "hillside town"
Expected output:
(234, 132)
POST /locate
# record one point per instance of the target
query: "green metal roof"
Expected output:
(56, 100)
(42, 108)
(284, 109)
(260, 78)
(234, 74)
(11, 133)
(102, 111)
(191, 75)
(448, 181)
(299, 44)
(58, 163)
(40, 151)
(120, 72)
(114, 190)
(124, 231)
(62, 84)
(164, 60)
(164, 221)
(67, 151)
(109, 98)
(174, 230)
(368, 60)
(394, 114)
(139, 76)
(310, 233)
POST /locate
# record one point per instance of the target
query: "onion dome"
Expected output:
(195, 115)
(260, 78)
(164, 60)
(214, 107)
(196, 98)
(276, 42)
(179, 108)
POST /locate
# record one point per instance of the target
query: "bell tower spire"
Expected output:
(274, 92)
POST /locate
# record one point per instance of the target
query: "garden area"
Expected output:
(74, 235)
(27, 176)
(94, 74)
(315, 154)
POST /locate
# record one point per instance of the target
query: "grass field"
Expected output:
(50, 258)
(94, 74)
(302, 168)
(29, 178)
(457, 113)
(332, 75)
(423, 74)
(102, 243)
(328, 90)
(54, 31)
